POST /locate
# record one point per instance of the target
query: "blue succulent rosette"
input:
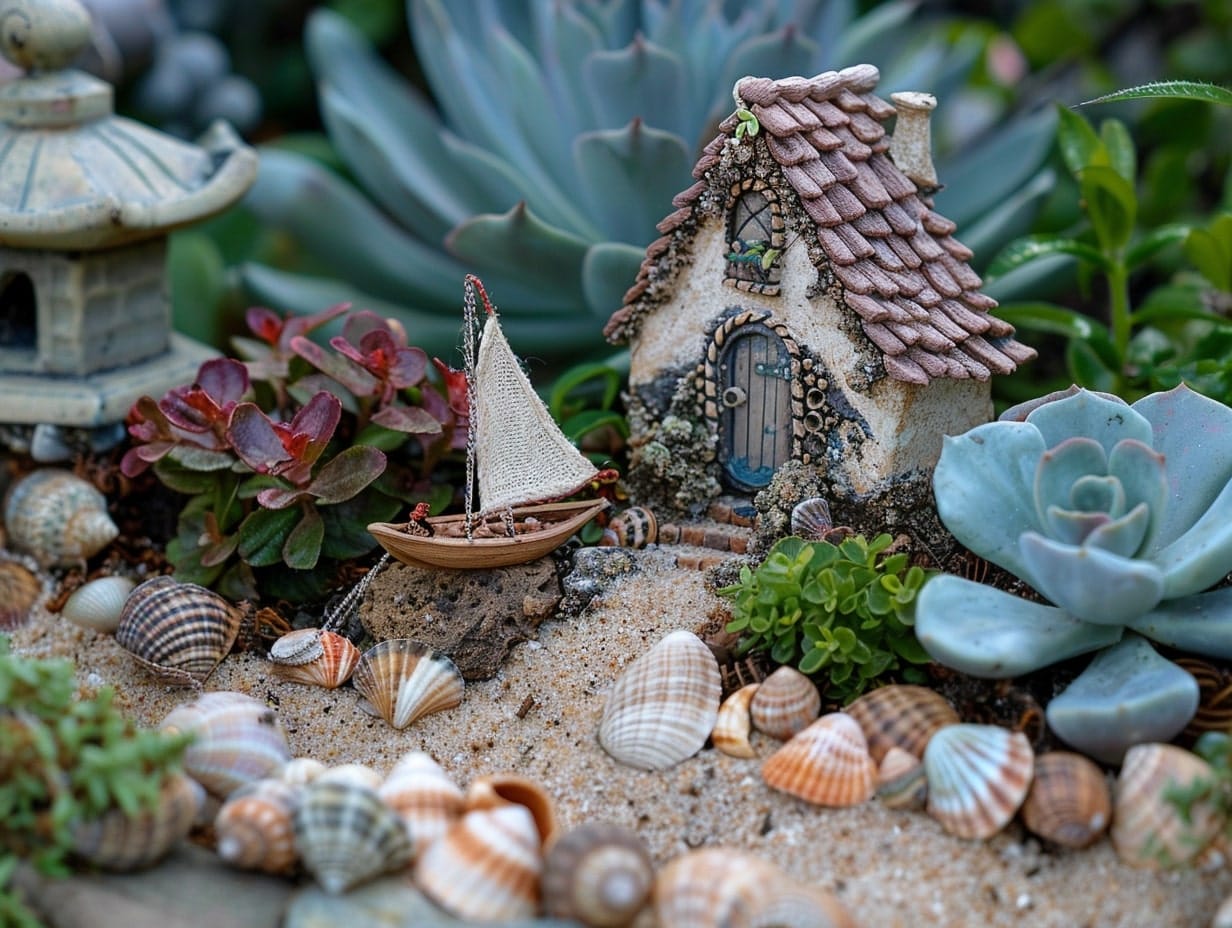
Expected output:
(1121, 517)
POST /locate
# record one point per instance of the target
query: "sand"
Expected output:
(890, 868)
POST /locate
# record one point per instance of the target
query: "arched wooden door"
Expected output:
(754, 389)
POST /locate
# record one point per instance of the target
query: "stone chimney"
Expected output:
(911, 145)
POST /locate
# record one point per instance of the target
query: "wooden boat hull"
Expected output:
(559, 521)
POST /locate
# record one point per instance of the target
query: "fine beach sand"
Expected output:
(890, 868)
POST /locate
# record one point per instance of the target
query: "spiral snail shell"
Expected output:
(119, 841)
(57, 518)
(636, 527)
(598, 874)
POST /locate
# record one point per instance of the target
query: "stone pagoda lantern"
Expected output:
(87, 199)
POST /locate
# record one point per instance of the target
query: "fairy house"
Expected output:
(806, 303)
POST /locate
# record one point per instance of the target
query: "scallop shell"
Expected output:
(58, 518)
(811, 520)
(901, 783)
(486, 867)
(423, 795)
(256, 827)
(314, 656)
(731, 730)
(98, 604)
(117, 841)
(1069, 802)
(664, 705)
(786, 703)
(636, 527)
(238, 739)
(1148, 829)
(902, 715)
(498, 789)
(179, 631)
(718, 887)
(20, 589)
(600, 875)
(300, 771)
(827, 764)
(346, 835)
(405, 680)
(978, 776)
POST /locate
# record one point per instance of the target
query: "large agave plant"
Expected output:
(563, 131)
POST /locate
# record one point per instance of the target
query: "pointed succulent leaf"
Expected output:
(1001, 223)
(1088, 583)
(1096, 416)
(316, 420)
(607, 271)
(1127, 695)
(347, 474)
(1000, 459)
(1071, 526)
(1200, 624)
(864, 36)
(302, 548)
(1122, 536)
(1143, 476)
(640, 80)
(781, 52)
(1059, 469)
(1202, 556)
(985, 632)
(1095, 493)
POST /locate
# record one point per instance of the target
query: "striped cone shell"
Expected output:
(116, 841)
(731, 730)
(486, 867)
(1148, 829)
(786, 702)
(827, 764)
(314, 656)
(255, 827)
(978, 777)
(179, 631)
(347, 836)
(598, 874)
(57, 518)
(405, 680)
(1069, 802)
(664, 706)
(901, 783)
(423, 795)
(20, 588)
(237, 739)
(901, 715)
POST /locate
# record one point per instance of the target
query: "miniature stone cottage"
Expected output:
(86, 202)
(805, 303)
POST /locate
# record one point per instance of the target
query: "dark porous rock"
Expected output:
(594, 569)
(474, 616)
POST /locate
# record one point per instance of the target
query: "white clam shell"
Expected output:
(301, 771)
(347, 836)
(97, 605)
(978, 777)
(664, 706)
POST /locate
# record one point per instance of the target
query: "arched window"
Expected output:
(754, 242)
(18, 312)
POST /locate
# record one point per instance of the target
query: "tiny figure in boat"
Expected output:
(417, 522)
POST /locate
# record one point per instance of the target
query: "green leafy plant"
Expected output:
(64, 761)
(288, 456)
(845, 610)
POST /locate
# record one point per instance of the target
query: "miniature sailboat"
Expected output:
(523, 463)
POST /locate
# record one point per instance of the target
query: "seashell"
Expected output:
(300, 771)
(810, 519)
(1223, 914)
(786, 703)
(179, 631)
(238, 739)
(978, 776)
(20, 589)
(827, 763)
(346, 835)
(1148, 829)
(902, 715)
(498, 789)
(314, 656)
(356, 774)
(486, 867)
(664, 706)
(731, 730)
(1069, 802)
(636, 527)
(718, 887)
(600, 875)
(405, 680)
(57, 518)
(98, 604)
(117, 841)
(256, 827)
(423, 795)
(901, 783)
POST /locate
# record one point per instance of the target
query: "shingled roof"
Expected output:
(896, 261)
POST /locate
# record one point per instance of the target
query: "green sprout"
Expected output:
(844, 609)
(749, 124)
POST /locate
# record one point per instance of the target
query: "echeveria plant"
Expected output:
(1119, 515)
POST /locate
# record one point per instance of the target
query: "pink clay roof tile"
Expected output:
(899, 268)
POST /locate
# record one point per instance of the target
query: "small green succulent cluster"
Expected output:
(1213, 792)
(845, 609)
(64, 761)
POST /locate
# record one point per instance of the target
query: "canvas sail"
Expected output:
(521, 455)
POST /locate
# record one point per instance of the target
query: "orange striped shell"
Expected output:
(786, 702)
(827, 764)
